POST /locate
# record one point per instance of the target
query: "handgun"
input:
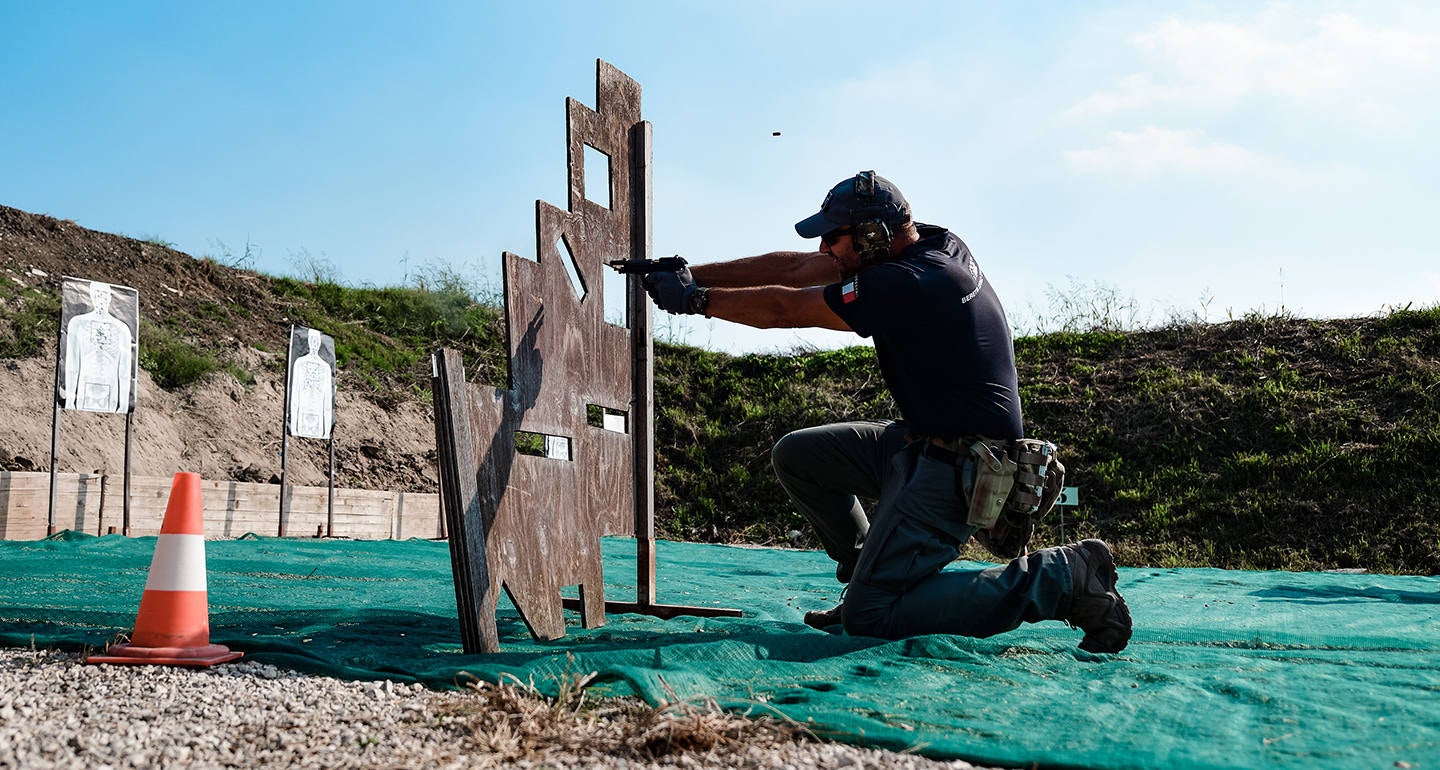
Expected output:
(648, 266)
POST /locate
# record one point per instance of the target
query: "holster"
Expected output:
(1017, 482)
(1016, 485)
(994, 482)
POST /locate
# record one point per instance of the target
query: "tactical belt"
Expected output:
(947, 452)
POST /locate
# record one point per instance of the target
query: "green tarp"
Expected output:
(1226, 669)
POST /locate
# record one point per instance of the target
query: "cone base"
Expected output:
(199, 657)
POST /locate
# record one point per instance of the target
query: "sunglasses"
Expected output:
(831, 237)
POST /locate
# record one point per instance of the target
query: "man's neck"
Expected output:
(903, 240)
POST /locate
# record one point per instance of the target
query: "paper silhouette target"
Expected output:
(99, 324)
(312, 383)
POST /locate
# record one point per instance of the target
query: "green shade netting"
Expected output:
(1226, 669)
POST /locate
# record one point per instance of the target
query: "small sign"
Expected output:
(1068, 496)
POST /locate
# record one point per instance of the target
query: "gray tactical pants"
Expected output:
(916, 528)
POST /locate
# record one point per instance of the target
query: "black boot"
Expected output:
(1095, 606)
(823, 619)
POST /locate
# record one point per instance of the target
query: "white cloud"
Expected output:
(1154, 150)
(1134, 92)
(1337, 65)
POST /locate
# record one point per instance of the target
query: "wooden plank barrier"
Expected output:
(417, 514)
(94, 504)
(25, 504)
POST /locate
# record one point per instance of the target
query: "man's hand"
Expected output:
(675, 292)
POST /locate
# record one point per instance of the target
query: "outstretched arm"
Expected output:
(779, 290)
(794, 269)
(775, 307)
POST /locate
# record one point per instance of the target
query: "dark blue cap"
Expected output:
(863, 196)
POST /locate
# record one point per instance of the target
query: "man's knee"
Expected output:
(866, 611)
(790, 453)
(866, 626)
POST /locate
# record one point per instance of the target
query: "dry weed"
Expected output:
(514, 721)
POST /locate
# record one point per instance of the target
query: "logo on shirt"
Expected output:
(979, 283)
(850, 290)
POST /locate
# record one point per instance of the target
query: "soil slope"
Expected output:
(219, 427)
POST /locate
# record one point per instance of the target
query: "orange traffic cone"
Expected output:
(173, 626)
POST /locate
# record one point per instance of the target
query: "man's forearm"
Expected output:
(795, 269)
(774, 307)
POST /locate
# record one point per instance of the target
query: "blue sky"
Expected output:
(1199, 158)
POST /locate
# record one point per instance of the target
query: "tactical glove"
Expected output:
(675, 292)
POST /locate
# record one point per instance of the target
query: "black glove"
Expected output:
(652, 267)
(676, 292)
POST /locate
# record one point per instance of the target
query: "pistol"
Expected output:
(648, 266)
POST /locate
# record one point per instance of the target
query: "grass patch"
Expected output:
(30, 316)
(174, 362)
(394, 329)
(1274, 441)
(171, 361)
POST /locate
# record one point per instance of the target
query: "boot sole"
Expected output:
(1114, 638)
(823, 619)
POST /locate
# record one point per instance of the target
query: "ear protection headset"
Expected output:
(869, 232)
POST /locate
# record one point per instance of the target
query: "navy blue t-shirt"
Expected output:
(941, 337)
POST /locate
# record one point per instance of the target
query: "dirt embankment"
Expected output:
(218, 427)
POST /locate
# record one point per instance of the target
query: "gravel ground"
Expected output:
(57, 712)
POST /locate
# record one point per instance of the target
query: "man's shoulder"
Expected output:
(937, 240)
(938, 250)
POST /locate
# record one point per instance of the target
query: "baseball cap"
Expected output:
(847, 203)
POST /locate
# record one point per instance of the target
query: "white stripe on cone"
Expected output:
(179, 564)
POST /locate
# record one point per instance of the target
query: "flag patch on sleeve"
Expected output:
(850, 290)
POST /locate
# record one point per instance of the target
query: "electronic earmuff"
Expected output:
(869, 233)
